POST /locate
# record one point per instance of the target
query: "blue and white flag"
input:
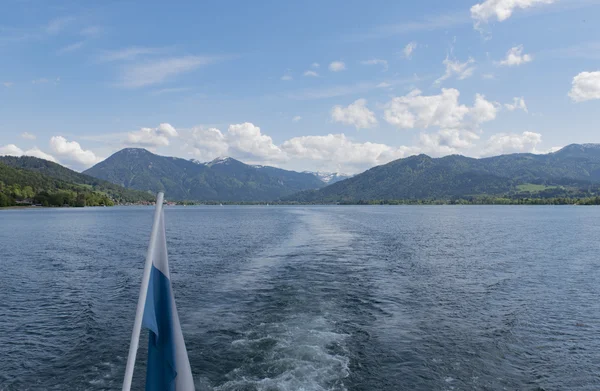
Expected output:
(168, 364)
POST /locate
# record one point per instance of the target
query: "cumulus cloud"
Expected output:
(458, 124)
(501, 9)
(586, 86)
(247, 140)
(483, 110)
(315, 65)
(338, 150)
(296, 118)
(503, 143)
(515, 57)
(419, 111)
(337, 66)
(72, 152)
(36, 152)
(159, 71)
(455, 68)
(13, 150)
(311, 73)
(152, 137)
(376, 61)
(28, 136)
(244, 141)
(207, 144)
(517, 104)
(356, 114)
(409, 49)
(446, 141)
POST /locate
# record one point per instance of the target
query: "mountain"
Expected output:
(575, 168)
(329, 177)
(19, 186)
(223, 179)
(67, 176)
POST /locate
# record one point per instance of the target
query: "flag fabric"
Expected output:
(168, 364)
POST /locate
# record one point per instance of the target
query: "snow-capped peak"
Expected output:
(329, 177)
(219, 160)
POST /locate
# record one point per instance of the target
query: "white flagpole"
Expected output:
(139, 314)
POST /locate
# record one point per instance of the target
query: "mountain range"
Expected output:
(134, 175)
(571, 171)
(223, 179)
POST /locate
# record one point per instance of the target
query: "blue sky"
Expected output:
(312, 85)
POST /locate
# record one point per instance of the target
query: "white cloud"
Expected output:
(13, 150)
(337, 150)
(501, 9)
(418, 111)
(315, 65)
(337, 66)
(409, 49)
(42, 80)
(248, 142)
(446, 141)
(311, 73)
(152, 137)
(516, 57)
(8, 84)
(383, 84)
(36, 152)
(586, 86)
(71, 48)
(518, 104)
(207, 144)
(28, 136)
(159, 71)
(167, 129)
(488, 76)
(356, 114)
(286, 78)
(130, 53)
(503, 143)
(458, 124)
(376, 61)
(456, 68)
(296, 118)
(243, 141)
(483, 110)
(72, 152)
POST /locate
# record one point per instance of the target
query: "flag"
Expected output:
(168, 364)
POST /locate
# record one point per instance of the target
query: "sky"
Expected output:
(336, 86)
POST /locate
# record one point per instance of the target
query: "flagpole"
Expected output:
(139, 314)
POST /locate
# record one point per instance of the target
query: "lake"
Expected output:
(310, 298)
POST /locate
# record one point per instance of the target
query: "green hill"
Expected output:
(23, 186)
(67, 177)
(223, 179)
(572, 171)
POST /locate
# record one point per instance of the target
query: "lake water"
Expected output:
(310, 298)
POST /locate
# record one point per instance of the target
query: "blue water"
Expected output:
(310, 298)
